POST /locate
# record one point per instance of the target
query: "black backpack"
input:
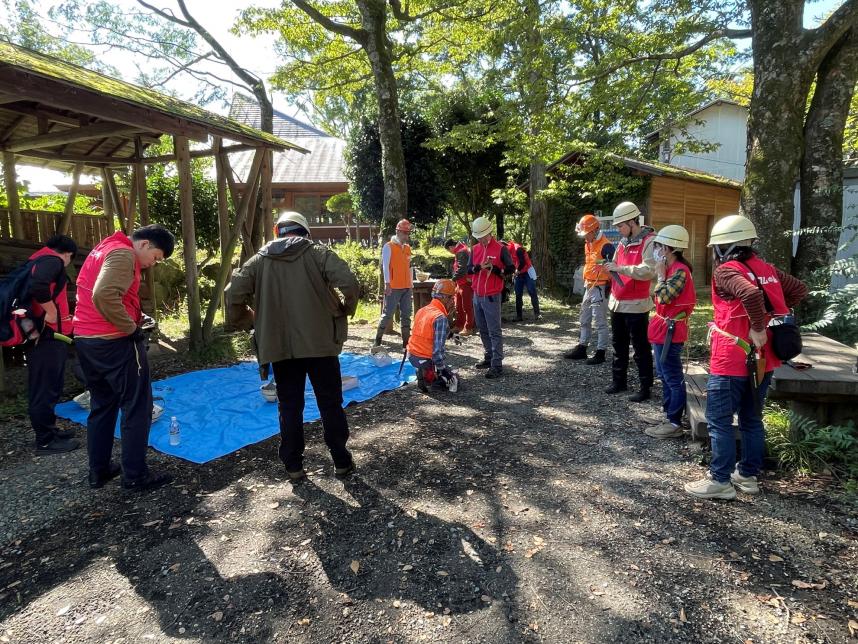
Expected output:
(14, 295)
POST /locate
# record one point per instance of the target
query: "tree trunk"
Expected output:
(377, 47)
(782, 78)
(189, 241)
(822, 166)
(539, 251)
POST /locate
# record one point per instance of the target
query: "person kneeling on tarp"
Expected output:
(426, 347)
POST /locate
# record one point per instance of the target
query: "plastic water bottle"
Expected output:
(175, 432)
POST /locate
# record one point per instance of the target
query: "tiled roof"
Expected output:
(324, 163)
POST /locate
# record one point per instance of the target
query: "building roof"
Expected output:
(324, 164)
(32, 83)
(705, 106)
(655, 168)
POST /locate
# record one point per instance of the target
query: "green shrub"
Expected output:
(363, 262)
(815, 447)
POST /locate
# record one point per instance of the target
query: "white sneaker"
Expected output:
(665, 430)
(709, 488)
(746, 484)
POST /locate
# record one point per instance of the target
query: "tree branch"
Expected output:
(818, 41)
(358, 35)
(166, 15)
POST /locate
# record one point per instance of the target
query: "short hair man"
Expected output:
(525, 277)
(630, 301)
(465, 323)
(490, 261)
(46, 358)
(396, 266)
(112, 353)
(285, 291)
(427, 345)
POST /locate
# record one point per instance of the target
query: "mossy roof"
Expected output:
(74, 75)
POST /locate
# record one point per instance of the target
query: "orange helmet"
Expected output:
(444, 287)
(404, 226)
(588, 224)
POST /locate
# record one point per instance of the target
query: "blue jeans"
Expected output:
(725, 396)
(672, 379)
(487, 312)
(523, 280)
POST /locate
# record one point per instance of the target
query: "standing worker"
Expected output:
(46, 358)
(748, 294)
(597, 280)
(465, 323)
(112, 353)
(396, 265)
(668, 329)
(490, 261)
(630, 301)
(286, 292)
(427, 346)
(525, 277)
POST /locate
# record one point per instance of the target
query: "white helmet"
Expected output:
(481, 227)
(673, 236)
(625, 212)
(731, 230)
(290, 222)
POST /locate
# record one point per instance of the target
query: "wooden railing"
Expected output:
(39, 225)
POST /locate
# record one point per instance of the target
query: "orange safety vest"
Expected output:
(400, 265)
(594, 273)
(422, 340)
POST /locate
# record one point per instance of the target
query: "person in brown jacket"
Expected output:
(286, 292)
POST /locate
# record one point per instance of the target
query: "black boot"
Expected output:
(616, 387)
(578, 353)
(598, 357)
(641, 395)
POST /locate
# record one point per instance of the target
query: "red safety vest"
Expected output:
(630, 255)
(685, 301)
(64, 322)
(727, 358)
(422, 340)
(87, 320)
(462, 281)
(486, 283)
(513, 250)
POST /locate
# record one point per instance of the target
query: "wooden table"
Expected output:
(828, 391)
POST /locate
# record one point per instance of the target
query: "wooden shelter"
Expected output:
(54, 114)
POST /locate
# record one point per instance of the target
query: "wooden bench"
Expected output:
(826, 392)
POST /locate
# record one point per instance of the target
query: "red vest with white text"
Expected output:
(684, 302)
(64, 319)
(87, 320)
(485, 282)
(726, 358)
(630, 255)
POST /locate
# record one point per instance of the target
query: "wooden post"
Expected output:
(113, 191)
(12, 194)
(240, 214)
(143, 207)
(107, 202)
(131, 213)
(186, 206)
(65, 222)
(265, 188)
(222, 217)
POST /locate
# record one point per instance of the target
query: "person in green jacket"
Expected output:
(286, 292)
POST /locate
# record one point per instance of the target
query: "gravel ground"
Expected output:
(526, 509)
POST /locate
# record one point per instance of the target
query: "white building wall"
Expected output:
(724, 124)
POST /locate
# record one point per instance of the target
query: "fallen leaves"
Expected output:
(682, 617)
(798, 583)
(539, 544)
(775, 558)
(853, 627)
(355, 566)
(217, 615)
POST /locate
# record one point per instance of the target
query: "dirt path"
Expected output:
(527, 509)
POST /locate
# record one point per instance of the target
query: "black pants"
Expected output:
(324, 373)
(625, 328)
(46, 366)
(117, 376)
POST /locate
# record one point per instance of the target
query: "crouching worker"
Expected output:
(426, 347)
(668, 329)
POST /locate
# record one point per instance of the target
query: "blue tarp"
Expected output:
(222, 410)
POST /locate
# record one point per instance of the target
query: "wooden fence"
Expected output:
(39, 225)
